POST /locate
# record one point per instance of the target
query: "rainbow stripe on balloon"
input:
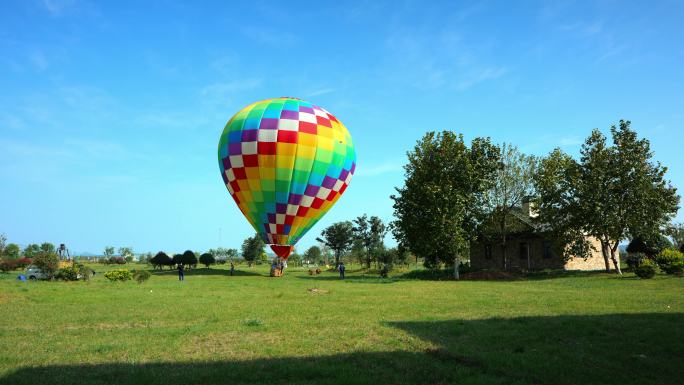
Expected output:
(285, 162)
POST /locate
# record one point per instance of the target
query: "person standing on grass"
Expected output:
(232, 268)
(181, 272)
(341, 268)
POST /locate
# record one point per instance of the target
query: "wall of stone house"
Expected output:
(595, 262)
(479, 260)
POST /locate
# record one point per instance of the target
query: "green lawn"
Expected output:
(252, 329)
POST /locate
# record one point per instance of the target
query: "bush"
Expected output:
(117, 261)
(47, 261)
(207, 259)
(189, 258)
(141, 275)
(7, 265)
(68, 273)
(646, 270)
(671, 261)
(634, 259)
(118, 275)
(23, 262)
(160, 260)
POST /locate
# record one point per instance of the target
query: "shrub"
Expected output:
(634, 259)
(141, 275)
(7, 265)
(207, 259)
(671, 261)
(646, 270)
(160, 260)
(189, 258)
(23, 262)
(118, 275)
(68, 273)
(117, 260)
(177, 258)
(47, 261)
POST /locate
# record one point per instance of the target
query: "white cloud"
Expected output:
(379, 169)
(319, 91)
(56, 7)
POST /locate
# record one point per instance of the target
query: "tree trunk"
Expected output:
(616, 261)
(604, 252)
(368, 259)
(457, 276)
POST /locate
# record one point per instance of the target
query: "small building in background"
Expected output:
(530, 247)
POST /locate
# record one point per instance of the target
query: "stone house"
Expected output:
(529, 247)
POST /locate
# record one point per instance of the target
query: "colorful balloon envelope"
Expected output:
(285, 162)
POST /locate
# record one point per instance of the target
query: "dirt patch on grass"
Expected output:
(314, 290)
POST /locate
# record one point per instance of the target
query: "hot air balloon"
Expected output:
(285, 162)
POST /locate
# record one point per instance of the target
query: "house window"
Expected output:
(524, 250)
(548, 250)
(488, 251)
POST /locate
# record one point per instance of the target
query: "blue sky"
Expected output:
(110, 113)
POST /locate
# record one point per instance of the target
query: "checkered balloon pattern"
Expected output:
(285, 162)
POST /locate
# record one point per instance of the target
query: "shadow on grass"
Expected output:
(604, 349)
(349, 278)
(205, 271)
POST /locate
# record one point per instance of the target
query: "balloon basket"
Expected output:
(275, 272)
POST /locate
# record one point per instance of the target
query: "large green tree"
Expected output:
(47, 247)
(557, 205)
(443, 198)
(512, 183)
(613, 193)
(31, 250)
(338, 237)
(12, 250)
(371, 233)
(313, 254)
(252, 249)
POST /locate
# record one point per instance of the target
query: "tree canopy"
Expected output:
(338, 237)
(252, 248)
(443, 198)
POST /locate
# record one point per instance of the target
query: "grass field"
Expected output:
(250, 329)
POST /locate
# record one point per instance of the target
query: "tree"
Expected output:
(676, 232)
(312, 254)
(622, 192)
(47, 247)
(443, 198)
(160, 260)
(207, 259)
(109, 251)
(512, 184)
(126, 253)
(371, 234)
(649, 245)
(12, 250)
(556, 181)
(3, 242)
(295, 259)
(189, 258)
(252, 249)
(48, 262)
(177, 259)
(612, 193)
(338, 237)
(222, 254)
(31, 250)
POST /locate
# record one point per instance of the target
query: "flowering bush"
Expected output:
(118, 275)
(671, 261)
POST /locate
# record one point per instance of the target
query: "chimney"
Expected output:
(528, 207)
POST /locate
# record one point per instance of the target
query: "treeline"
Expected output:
(455, 193)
